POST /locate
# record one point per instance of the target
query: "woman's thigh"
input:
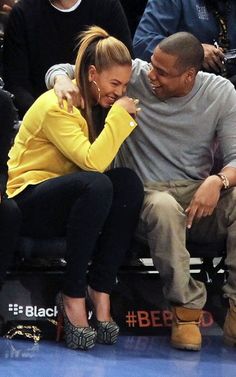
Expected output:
(45, 207)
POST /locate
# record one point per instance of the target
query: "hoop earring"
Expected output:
(98, 91)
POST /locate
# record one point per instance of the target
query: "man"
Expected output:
(211, 21)
(39, 33)
(182, 113)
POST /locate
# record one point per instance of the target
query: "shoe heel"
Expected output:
(228, 341)
(60, 322)
(107, 332)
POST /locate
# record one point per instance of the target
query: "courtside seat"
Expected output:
(50, 253)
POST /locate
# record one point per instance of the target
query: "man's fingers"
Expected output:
(70, 103)
(60, 103)
(6, 8)
(190, 211)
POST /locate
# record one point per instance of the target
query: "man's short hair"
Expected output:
(186, 48)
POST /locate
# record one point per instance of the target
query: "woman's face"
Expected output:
(110, 84)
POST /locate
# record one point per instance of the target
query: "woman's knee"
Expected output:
(126, 183)
(99, 188)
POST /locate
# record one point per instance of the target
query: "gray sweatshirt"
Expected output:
(176, 138)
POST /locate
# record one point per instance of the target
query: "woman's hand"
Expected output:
(129, 104)
(66, 90)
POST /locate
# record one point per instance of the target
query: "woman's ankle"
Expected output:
(75, 309)
(101, 302)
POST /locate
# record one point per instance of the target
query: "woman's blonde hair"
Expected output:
(98, 48)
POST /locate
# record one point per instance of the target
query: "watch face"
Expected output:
(230, 56)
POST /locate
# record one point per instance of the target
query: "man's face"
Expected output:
(166, 79)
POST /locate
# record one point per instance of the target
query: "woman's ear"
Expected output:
(92, 73)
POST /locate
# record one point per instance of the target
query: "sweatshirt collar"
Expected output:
(69, 9)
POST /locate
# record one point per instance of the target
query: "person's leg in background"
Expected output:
(10, 216)
(10, 222)
(226, 217)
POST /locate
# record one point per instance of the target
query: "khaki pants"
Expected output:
(163, 224)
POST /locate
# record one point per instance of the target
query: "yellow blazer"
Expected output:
(52, 142)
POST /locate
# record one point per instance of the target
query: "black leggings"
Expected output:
(96, 212)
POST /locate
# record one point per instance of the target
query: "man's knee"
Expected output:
(160, 207)
(227, 205)
(161, 203)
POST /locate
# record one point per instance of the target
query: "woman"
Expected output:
(56, 176)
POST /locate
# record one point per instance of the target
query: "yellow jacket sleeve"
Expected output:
(69, 133)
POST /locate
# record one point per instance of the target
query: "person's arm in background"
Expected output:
(160, 19)
(16, 63)
(115, 22)
(7, 117)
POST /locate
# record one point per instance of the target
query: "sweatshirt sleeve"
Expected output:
(70, 135)
(160, 19)
(59, 69)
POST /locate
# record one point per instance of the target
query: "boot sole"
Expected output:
(188, 347)
(229, 341)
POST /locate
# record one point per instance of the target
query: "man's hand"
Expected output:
(66, 90)
(204, 200)
(7, 5)
(6, 8)
(213, 58)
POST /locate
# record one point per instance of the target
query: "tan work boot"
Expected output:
(185, 328)
(230, 325)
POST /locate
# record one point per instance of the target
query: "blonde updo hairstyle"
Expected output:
(98, 48)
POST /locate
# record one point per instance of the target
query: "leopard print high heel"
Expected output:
(76, 337)
(107, 331)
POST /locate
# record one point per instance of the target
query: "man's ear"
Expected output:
(190, 75)
(92, 73)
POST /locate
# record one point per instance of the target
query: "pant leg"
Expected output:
(118, 229)
(221, 226)
(10, 221)
(164, 222)
(226, 219)
(75, 206)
